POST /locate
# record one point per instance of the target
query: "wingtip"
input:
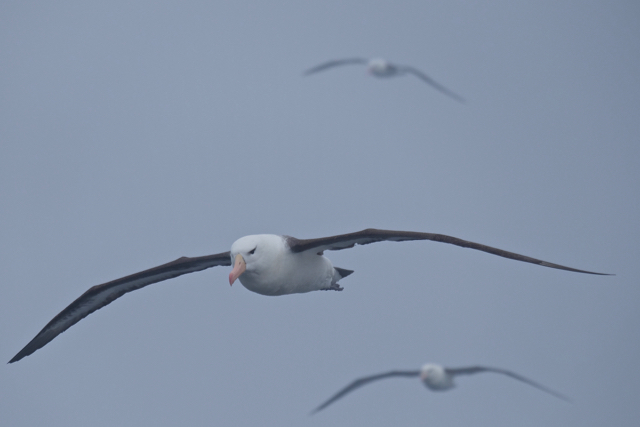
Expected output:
(559, 396)
(574, 270)
(17, 357)
(600, 274)
(22, 354)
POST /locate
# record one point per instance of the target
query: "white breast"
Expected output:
(275, 270)
(435, 377)
(381, 68)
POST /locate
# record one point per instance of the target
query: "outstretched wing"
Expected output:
(363, 381)
(334, 63)
(371, 235)
(477, 369)
(101, 295)
(422, 76)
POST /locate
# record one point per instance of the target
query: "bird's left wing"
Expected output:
(477, 369)
(372, 235)
(100, 295)
(334, 63)
(363, 381)
(422, 76)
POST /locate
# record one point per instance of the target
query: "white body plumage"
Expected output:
(272, 269)
(434, 377)
(382, 68)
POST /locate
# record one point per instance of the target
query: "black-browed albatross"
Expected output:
(382, 68)
(265, 263)
(434, 377)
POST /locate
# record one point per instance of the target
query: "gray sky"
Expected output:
(137, 132)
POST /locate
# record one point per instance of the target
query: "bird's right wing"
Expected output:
(334, 63)
(101, 295)
(477, 369)
(363, 381)
(422, 76)
(371, 235)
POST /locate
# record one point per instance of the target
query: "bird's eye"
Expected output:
(252, 251)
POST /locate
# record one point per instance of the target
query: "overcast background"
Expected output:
(133, 133)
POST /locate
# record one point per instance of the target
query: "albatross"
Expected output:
(382, 68)
(267, 264)
(436, 378)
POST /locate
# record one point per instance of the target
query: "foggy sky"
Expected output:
(134, 133)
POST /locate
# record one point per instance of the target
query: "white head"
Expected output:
(254, 255)
(380, 67)
(435, 377)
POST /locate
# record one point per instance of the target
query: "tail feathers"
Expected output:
(342, 272)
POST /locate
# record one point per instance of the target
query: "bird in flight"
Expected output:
(267, 264)
(382, 68)
(436, 378)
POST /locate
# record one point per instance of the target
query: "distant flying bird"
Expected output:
(266, 263)
(382, 68)
(436, 378)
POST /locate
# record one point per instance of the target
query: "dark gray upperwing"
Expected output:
(334, 63)
(371, 235)
(101, 295)
(363, 381)
(422, 76)
(477, 369)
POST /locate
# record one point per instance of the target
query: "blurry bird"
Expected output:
(434, 377)
(382, 68)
